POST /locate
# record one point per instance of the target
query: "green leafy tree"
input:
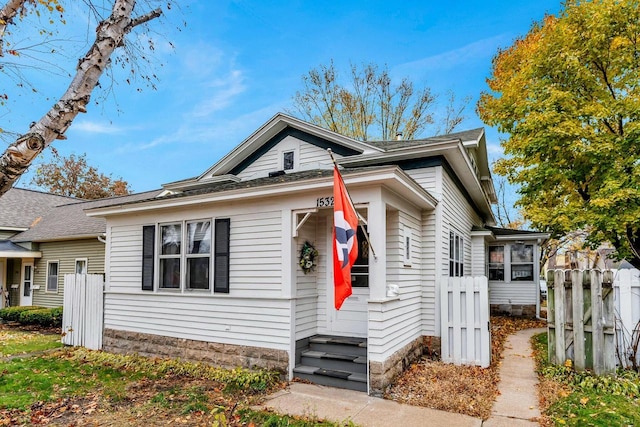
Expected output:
(369, 106)
(72, 176)
(567, 95)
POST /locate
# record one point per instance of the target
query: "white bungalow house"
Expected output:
(209, 270)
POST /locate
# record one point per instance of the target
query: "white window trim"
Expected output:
(507, 262)
(86, 265)
(183, 257)
(459, 261)
(46, 285)
(287, 148)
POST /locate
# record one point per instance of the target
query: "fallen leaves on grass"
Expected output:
(468, 390)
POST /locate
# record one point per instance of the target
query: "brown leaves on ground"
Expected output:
(468, 390)
(173, 400)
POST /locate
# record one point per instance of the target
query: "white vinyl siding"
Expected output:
(395, 323)
(510, 291)
(457, 216)
(428, 179)
(259, 322)
(255, 255)
(66, 253)
(307, 156)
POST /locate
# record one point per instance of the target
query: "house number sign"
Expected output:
(324, 202)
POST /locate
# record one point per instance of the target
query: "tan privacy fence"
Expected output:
(83, 312)
(465, 334)
(593, 318)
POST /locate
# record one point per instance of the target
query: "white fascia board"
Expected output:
(14, 228)
(528, 236)
(392, 177)
(64, 238)
(26, 254)
(455, 154)
(269, 130)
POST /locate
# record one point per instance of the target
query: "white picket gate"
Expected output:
(465, 328)
(626, 288)
(83, 313)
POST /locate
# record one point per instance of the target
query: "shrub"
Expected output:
(12, 314)
(42, 317)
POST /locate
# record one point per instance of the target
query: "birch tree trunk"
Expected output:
(110, 35)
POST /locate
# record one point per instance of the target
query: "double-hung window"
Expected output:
(456, 255)
(198, 254)
(52, 276)
(496, 262)
(183, 257)
(170, 256)
(522, 262)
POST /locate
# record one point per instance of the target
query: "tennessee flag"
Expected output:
(345, 243)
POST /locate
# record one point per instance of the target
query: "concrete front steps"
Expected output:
(333, 361)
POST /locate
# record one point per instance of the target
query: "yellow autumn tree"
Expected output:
(567, 95)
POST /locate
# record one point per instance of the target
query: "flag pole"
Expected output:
(365, 232)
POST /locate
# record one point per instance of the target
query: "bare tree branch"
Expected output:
(7, 13)
(110, 35)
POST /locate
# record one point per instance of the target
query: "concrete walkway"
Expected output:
(516, 406)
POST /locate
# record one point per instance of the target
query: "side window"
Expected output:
(521, 262)
(170, 255)
(81, 266)
(52, 276)
(406, 252)
(456, 255)
(496, 263)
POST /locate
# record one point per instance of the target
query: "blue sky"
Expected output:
(239, 62)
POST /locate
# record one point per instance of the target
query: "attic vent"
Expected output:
(276, 173)
(398, 136)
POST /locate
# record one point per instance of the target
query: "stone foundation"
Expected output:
(222, 355)
(382, 374)
(514, 310)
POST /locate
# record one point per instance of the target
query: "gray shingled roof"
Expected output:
(68, 221)
(468, 135)
(20, 207)
(254, 183)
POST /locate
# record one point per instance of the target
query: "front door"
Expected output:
(351, 319)
(26, 297)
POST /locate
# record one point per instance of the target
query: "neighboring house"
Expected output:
(583, 259)
(209, 270)
(59, 239)
(19, 210)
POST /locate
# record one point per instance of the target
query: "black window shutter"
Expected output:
(148, 240)
(221, 256)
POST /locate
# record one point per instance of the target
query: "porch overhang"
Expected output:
(11, 250)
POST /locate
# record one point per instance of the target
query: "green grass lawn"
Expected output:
(584, 399)
(78, 386)
(19, 342)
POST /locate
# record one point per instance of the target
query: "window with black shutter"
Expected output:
(148, 239)
(221, 255)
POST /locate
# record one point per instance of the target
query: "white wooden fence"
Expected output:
(626, 288)
(465, 333)
(83, 312)
(593, 318)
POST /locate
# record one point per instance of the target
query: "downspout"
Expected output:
(101, 239)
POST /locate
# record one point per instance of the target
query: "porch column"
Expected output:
(377, 219)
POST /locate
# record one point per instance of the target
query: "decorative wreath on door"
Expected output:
(308, 255)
